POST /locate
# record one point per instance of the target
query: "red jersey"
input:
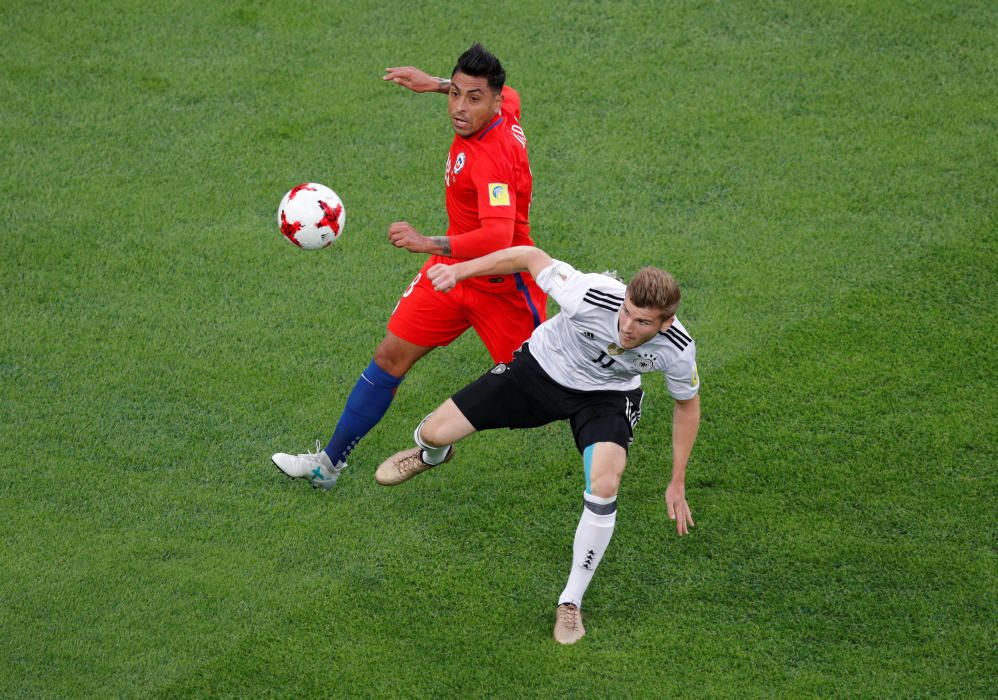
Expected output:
(488, 175)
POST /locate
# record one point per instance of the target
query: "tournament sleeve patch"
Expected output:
(498, 194)
(561, 274)
(555, 276)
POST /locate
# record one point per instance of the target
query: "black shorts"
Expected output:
(522, 395)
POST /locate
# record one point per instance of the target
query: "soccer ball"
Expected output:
(311, 216)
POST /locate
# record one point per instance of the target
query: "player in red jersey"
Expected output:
(488, 189)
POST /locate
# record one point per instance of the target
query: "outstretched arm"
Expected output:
(495, 233)
(502, 262)
(416, 80)
(685, 424)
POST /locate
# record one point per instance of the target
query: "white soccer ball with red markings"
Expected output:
(311, 216)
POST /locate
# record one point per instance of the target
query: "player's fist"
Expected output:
(443, 277)
(403, 235)
(412, 78)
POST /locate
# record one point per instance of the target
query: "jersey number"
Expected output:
(519, 135)
(408, 291)
(604, 360)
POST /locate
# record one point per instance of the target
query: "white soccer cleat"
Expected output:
(315, 467)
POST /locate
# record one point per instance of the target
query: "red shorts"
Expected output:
(503, 320)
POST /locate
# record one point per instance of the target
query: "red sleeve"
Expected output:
(496, 194)
(511, 101)
(495, 234)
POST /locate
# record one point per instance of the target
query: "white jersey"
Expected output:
(578, 347)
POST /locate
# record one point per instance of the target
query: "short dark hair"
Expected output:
(479, 63)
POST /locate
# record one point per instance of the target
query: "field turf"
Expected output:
(822, 179)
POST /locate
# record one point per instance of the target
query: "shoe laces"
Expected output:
(568, 616)
(313, 456)
(413, 461)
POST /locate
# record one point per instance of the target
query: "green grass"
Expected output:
(822, 179)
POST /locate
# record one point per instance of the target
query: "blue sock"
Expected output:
(367, 404)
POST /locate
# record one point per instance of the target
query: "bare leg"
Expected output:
(445, 426)
(397, 356)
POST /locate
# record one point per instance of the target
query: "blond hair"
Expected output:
(652, 288)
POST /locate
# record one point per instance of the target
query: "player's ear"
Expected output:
(499, 102)
(666, 323)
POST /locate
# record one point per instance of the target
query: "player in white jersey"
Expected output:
(583, 365)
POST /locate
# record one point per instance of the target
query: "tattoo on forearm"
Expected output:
(443, 242)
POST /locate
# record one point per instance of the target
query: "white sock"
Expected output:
(431, 455)
(591, 539)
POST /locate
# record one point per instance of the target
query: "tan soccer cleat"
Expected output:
(568, 627)
(404, 465)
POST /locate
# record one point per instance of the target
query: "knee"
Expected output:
(606, 468)
(430, 434)
(606, 485)
(388, 357)
(396, 356)
(445, 426)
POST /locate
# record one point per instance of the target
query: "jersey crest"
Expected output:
(644, 362)
(450, 173)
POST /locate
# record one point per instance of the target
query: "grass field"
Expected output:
(822, 179)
